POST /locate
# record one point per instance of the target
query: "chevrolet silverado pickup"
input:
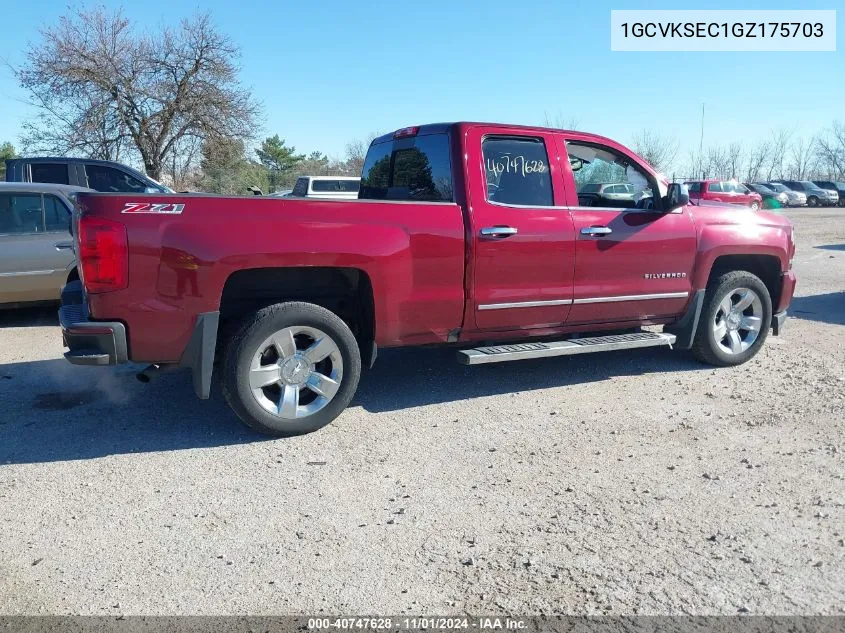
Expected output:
(488, 237)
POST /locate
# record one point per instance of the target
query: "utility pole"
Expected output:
(701, 143)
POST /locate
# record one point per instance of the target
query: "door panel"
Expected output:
(32, 268)
(646, 253)
(523, 254)
(631, 264)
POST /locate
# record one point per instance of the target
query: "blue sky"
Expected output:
(328, 72)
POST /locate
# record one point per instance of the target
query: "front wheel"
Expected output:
(291, 369)
(734, 320)
(812, 201)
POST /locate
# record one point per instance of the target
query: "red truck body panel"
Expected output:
(412, 253)
(432, 272)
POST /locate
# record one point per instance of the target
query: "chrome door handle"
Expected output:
(63, 246)
(498, 231)
(596, 230)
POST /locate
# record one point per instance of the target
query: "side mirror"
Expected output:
(677, 197)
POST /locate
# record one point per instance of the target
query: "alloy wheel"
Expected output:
(738, 320)
(296, 372)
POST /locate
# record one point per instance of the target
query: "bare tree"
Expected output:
(734, 160)
(660, 151)
(356, 151)
(560, 122)
(777, 155)
(717, 162)
(830, 151)
(695, 164)
(100, 83)
(758, 156)
(802, 159)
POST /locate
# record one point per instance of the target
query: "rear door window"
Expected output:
(517, 171)
(56, 214)
(410, 168)
(715, 187)
(102, 178)
(20, 213)
(50, 172)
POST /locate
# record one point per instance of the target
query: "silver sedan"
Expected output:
(36, 250)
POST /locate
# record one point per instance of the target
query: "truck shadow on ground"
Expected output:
(52, 411)
(825, 308)
(832, 247)
(38, 316)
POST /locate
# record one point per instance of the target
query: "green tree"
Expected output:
(7, 150)
(227, 170)
(278, 159)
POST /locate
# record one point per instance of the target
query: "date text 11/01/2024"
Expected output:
(419, 623)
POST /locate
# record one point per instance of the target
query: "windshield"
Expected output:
(761, 188)
(809, 185)
(777, 186)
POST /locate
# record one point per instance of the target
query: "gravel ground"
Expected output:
(629, 482)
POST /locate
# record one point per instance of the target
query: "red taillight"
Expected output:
(103, 254)
(406, 131)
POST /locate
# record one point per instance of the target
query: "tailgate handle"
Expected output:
(498, 231)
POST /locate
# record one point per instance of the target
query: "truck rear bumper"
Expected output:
(89, 342)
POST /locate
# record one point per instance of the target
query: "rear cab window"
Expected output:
(334, 186)
(50, 172)
(416, 168)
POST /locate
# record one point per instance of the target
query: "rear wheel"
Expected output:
(755, 205)
(291, 369)
(734, 320)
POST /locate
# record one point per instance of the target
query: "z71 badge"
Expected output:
(170, 208)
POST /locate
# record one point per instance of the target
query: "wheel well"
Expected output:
(766, 267)
(345, 291)
(73, 275)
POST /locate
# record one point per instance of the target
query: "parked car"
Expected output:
(771, 199)
(328, 187)
(793, 198)
(607, 194)
(100, 175)
(816, 196)
(296, 295)
(36, 256)
(727, 191)
(281, 194)
(833, 185)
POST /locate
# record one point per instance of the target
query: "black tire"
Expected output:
(812, 201)
(244, 344)
(705, 346)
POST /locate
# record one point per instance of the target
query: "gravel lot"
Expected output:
(629, 482)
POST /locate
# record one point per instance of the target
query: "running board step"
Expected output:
(523, 351)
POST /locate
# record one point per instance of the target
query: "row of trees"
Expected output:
(171, 100)
(782, 155)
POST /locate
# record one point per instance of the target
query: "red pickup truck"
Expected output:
(469, 234)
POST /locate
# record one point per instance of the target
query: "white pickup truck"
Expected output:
(326, 187)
